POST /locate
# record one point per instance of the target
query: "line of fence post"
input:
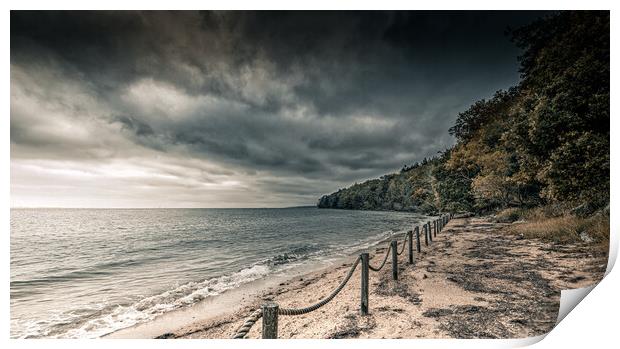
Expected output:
(417, 236)
(270, 320)
(364, 257)
(394, 259)
(410, 241)
(270, 309)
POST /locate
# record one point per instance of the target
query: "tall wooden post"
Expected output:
(395, 259)
(410, 239)
(270, 320)
(364, 296)
(435, 226)
(426, 234)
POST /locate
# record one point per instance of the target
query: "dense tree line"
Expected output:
(544, 141)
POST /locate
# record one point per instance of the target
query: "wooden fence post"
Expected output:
(417, 236)
(395, 259)
(430, 234)
(435, 227)
(410, 239)
(426, 234)
(270, 320)
(364, 298)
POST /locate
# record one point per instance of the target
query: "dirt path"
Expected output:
(474, 281)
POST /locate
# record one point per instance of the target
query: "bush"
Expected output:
(510, 215)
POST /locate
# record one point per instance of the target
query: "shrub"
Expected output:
(510, 215)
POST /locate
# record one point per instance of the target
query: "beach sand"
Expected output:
(473, 281)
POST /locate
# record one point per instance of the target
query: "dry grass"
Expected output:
(563, 229)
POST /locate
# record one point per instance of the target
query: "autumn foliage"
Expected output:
(542, 142)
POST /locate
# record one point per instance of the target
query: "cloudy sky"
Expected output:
(238, 109)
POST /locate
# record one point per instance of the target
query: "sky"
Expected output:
(239, 109)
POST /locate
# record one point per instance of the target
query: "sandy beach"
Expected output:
(473, 281)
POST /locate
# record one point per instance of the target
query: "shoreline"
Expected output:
(473, 281)
(219, 307)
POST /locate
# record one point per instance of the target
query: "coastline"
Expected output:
(242, 299)
(458, 287)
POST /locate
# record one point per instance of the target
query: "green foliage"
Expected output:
(480, 115)
(453, 186)
(409, 190)
(543, 142)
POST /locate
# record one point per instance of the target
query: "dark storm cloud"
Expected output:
(318, 96)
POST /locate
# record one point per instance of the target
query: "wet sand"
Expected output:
(474, 281)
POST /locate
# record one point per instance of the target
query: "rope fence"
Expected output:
(301, 311)
(404, 244)
(387, 254)
(269, 312)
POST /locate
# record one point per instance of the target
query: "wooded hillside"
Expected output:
(544, 141)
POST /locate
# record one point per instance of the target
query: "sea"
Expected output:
(84, 273)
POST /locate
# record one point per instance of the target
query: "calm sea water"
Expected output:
(82, 273)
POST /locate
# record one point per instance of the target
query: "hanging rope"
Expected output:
(300, 311)
(404, 244)
(387, 253)
(243, 330)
